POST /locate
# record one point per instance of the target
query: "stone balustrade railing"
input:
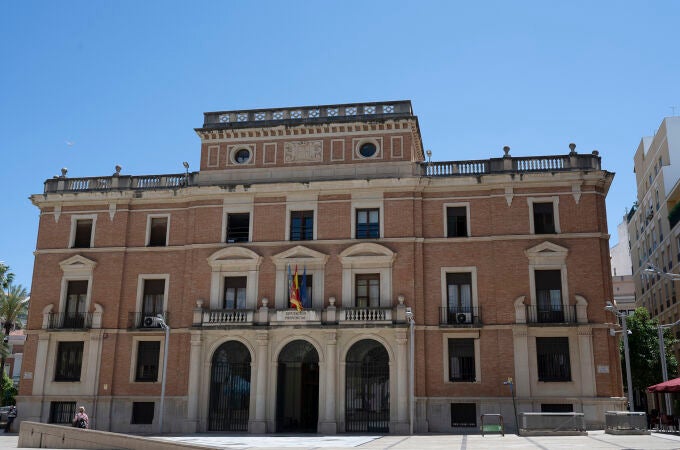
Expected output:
(509, 164)
(119, 182)
(307, 113)
(267, 316)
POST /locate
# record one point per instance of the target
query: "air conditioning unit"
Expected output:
(464, 317)
(151, 321)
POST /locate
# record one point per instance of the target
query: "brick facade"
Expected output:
(269, 164)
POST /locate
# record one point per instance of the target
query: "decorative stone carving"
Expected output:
(303, 151)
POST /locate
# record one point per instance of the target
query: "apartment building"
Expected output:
(652, 222)
(424, 287)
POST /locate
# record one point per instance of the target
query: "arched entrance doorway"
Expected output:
(297, 388)
(367, 388)
(229, 388)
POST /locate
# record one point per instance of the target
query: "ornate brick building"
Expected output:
(503, 265)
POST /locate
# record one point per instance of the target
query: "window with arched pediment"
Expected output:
(234, 278)
(308, 262)
(362, 262)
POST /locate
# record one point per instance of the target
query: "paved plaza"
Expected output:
(595, 440)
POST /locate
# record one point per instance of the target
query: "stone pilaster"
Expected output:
(328, 424)
(522, 379)
(587, 361)
(259, 423)
(401, 425)
(195, 358)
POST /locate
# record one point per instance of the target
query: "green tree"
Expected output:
(9, 391)
(643, 345)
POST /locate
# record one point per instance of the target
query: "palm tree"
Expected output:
(13, 308)
(6, 276)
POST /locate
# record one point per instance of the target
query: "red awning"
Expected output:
(667, 386)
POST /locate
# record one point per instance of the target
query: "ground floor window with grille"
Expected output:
(142, 413)
(62, 412)
(552, 358)
(462, 360)
(464, 415)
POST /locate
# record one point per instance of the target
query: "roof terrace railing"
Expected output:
(307, 113)
(508, 164)
(118, 182)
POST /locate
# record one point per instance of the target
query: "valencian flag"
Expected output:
(294, 289)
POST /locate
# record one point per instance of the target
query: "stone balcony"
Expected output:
(330, 315)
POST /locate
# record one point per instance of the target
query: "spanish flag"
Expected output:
(294, 287)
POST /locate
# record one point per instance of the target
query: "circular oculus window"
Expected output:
(242, 156)
(368, 149)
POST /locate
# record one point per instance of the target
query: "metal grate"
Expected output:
(62, 412)
(230, 388)
(367, 388)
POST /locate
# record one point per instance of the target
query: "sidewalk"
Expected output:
(596, 440)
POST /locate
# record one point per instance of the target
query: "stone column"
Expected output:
(195, 365)
(259, 424)
(328, 425)
(401, 425)
(586, 361)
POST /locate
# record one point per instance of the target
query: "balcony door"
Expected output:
(76, 304)
(549, 307)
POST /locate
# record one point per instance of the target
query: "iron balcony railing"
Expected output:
(136, 319)
(563, 314)
(460, 316)
(69, 320)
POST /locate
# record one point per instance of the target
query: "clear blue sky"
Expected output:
(127, 81)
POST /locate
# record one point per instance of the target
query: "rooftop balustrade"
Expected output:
(118, 183)
(509, 164)
(307, 114)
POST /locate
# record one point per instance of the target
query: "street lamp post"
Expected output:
(662, 356)
(610, 307)
(411, 367)
(510, 383)
(166, 327)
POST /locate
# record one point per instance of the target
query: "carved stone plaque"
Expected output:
(303, 151)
